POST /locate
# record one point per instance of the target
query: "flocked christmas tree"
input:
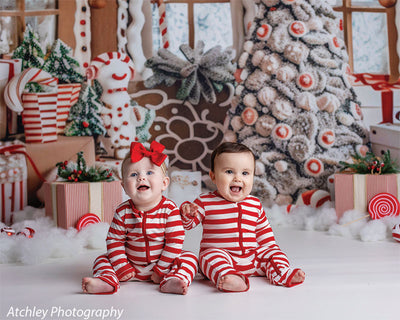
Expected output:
(294, 105)
(61, 64)
(30, 50)
(84, 117)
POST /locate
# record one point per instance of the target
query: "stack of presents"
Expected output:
(28, 159)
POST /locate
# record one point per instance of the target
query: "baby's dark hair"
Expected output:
(229, 147)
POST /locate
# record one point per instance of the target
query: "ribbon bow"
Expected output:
(138, 151)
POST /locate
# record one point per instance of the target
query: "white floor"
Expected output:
(346, 279)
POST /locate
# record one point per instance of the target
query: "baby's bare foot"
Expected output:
(298, 277)
(232, 282)
(95, 285)
(174, 285)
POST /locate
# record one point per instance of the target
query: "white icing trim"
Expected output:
(122, 25)
(82, 56)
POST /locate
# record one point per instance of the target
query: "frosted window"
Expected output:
(178, 29)
(45, 26)
(40, 4)
(370, 43)
(212, 24)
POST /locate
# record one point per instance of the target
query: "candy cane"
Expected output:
(163, 23)
(14, 88)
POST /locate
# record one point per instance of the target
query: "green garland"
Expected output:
(78, 172)
(371, 164)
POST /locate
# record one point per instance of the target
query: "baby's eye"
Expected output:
(149, 173)
(229, 171)
(133, 174)
(245, 173)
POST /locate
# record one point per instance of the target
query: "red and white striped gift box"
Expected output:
(13, 179)
(68, 95)
(354, 191)
(40, 117)
(66, 202)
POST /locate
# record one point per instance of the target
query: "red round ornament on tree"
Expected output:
(249, 116)
(85, 124)
(305, 80)
(297, 29)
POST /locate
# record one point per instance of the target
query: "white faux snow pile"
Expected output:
(52, 242)
(48, 241)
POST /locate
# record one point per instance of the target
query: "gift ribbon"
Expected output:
(20, 149)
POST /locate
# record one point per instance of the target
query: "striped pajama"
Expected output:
(238, 239)
(143, 243)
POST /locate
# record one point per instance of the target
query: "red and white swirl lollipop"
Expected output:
(264, 32)
(383, 205)
(297, 29)
(396, 232)
(87, 219)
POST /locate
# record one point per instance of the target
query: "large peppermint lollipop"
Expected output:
(383, 205)
(87, 219)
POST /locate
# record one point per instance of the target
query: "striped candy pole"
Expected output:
(163, 24)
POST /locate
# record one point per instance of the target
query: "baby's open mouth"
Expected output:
(143, 188)
(236, 189)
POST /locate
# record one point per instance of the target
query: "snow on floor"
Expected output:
(345, 279)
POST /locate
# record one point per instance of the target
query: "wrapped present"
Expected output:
(67, 202)
(385, 137)
(354, 191)
(8, 119)
(46, 155)
(68, 95)
(13, 179)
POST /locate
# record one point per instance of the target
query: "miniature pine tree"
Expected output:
(60, 64)
(30, 50)
(294, 105)
(84, 118)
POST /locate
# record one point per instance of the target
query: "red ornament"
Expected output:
(85, 124)
(283, 131)
(297, 29)
(249, 116)
(383, 205)
(314, 167)
(87, 219)
(305, 81)
(396, 232)
(336, 42)
(26, 232)
(264, 32)
(8, 231)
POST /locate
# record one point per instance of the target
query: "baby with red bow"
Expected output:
(146, 236)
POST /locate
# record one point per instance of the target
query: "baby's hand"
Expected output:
(156, 278)
(189, 209)
(127, 276)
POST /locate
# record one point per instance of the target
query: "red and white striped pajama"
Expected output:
(146, 242)
(238, 239)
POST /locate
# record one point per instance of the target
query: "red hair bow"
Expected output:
(138, 151)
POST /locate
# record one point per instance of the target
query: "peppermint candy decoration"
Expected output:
(326, 138)
(8, 231)
(314, 167)
(87, 219)
(355, 110)
(396, 232)
(282, 131)
(383, 205)
(264, 32)
(314, 198)
(249, 116)
(305, 81)
(26, 232)
(297, 29)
